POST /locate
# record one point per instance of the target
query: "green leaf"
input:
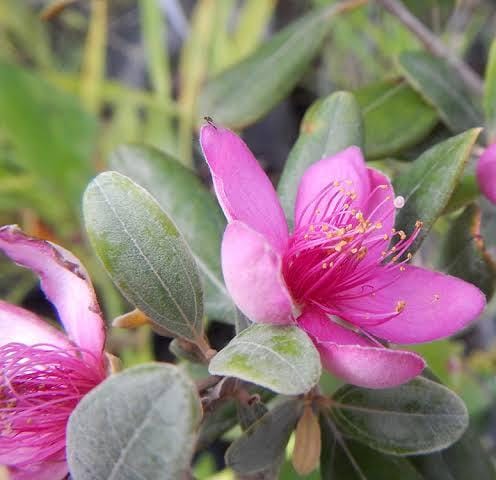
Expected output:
(194, 210)
(53, 137)
(137, 424)
(329, 126)
(464, 459)
(345, 459)
(421, 416)
(216, 423)
(490, 94)
(264, 443)
(442, 87)
(245, 92)
(463, 253)
(395, 117)
(144, 254)
(467, 191)
(282, 359)
(427, 186)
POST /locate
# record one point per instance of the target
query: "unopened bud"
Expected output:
(133, 319)
(306, 453)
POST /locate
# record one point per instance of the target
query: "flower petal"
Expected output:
(243, 189)
(21, 326)
(379, 209)
(435, 306)
(44, 471)
(346, 167)
(356, 359)
(486, 173)
(252, 272)
(65, 283)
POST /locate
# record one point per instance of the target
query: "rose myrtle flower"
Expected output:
(336, 275)
(486, 173)
(44, 372)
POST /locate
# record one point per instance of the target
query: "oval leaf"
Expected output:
(342, 458)
(282, 359)
(395, 117)
(490, 94)
(443, 88)
(262, 446)
(421, 416)
(465, 459)
(463, 253)
(183, 196)
(144, 254)
(427, 186)
(329, 126)
(242, 94)
(137, 424)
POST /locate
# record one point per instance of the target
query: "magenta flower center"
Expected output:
(40, 387)
(337, 248)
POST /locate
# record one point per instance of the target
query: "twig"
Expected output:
(433, 44)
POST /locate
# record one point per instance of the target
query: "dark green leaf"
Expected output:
(490, 94)
(144, 254)
(194, 210)
(463, 253)
(421, 416)
(442, 87)
(395, 117)
(345, 459)
(263, 444)
(329, 126)
(137, 424)
(467, 191)
(245, 92)
(216, 423)
(248, 414)
(429, 183)
(53, 137)
(463, 460)
(282, 359)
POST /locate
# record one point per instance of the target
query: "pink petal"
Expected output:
(486, 173)
(344, 167)
(379, 209)
(435, 307)
(243, 189)
(252, 272)
(45, 471)
(21, 326)
(65, 283)
(356, 359)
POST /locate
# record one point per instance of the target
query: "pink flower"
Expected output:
(486, 173)
(44, 372)
(335, 275)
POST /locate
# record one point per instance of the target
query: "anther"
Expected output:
(400, 306)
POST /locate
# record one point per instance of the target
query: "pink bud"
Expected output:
(486, 173)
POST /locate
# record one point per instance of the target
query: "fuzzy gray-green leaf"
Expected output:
(428, 184)
(137, 424)
(282, 359)
(421, 416)
(144, 253)
(443, 88)
(194, 210)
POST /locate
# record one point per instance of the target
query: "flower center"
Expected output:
(39, 388)
(335, 255)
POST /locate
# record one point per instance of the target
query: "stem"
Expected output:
(433, 44)
(93, 67)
